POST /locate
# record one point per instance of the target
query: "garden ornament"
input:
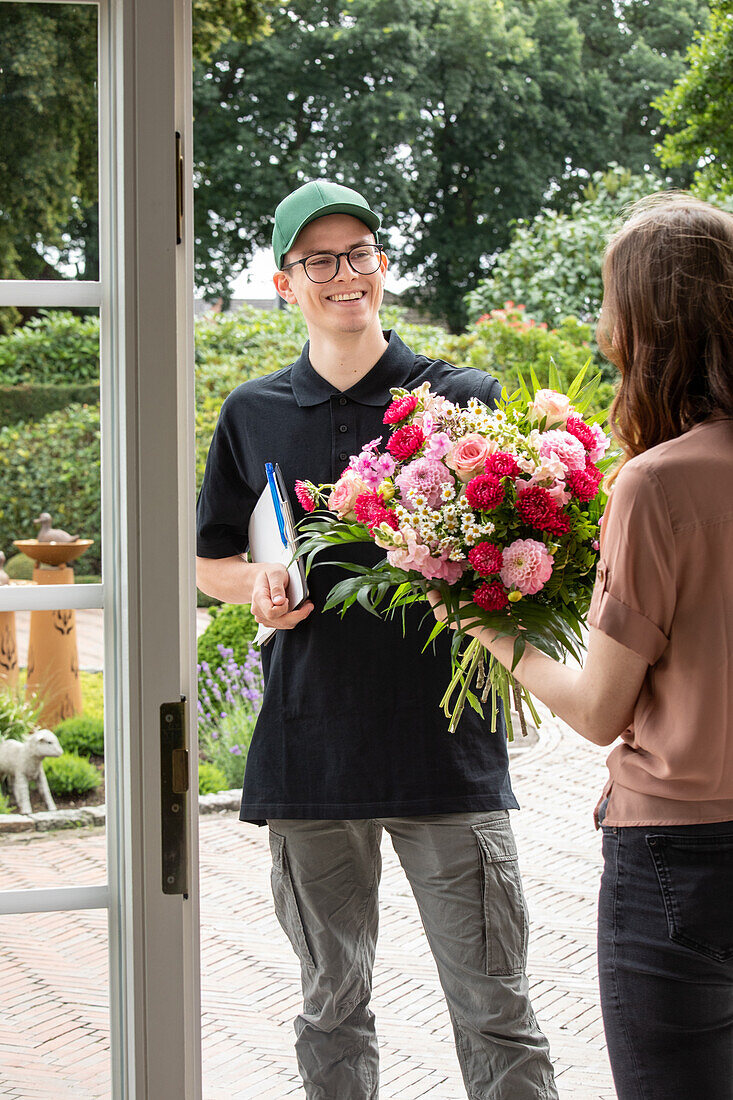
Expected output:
(47, 533)
(4, 578)
(22, 763)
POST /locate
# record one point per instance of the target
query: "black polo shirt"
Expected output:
(350, 725)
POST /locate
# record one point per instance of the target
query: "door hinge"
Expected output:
(179, 189)
(174, 797)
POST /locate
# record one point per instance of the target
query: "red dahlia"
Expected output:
(400, 408)
(583, 484)
(538, 509)
(491, 596)
(405, 442)
(581, 431)
(485, 558)
(502, 464)
(485, 492)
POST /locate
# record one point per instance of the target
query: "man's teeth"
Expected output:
(353, 296)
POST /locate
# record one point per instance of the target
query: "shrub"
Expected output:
(18, 718)
(4, 805)
(19, 567)
(21, 402)
(232, 627)
(211, 778)
(71, 774)
(81, 735)
(56, 347)
(507, 342)
(53, 465)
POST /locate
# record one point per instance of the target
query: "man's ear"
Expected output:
(281, 279)
(383, 262)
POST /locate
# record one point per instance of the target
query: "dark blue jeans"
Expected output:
(665, 960)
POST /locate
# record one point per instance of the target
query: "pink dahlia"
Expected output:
(485, 558)
(491, 596)
(527, 566)
(304, 493)
(502, 464)
(485, 492)
(537, 508)
(425, 476)
(405, 442)
(400, 409)
(584, 484)
(564, 446)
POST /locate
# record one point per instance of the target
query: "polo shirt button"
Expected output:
(343, 428)
(343, 456)
(343, 401)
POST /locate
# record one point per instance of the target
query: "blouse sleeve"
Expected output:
(635, 590)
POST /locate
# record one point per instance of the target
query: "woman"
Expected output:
(659, 667)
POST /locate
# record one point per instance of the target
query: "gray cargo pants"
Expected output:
(464, 874)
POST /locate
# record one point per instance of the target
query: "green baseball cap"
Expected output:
(315, 200)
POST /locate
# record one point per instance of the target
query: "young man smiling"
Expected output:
(351, 740)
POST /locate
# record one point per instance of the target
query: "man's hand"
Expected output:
(270, 605)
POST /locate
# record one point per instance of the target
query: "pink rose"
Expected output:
(344, 493)
(551, 404)
(468, 456)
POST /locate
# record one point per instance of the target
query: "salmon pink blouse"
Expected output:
(664, 589)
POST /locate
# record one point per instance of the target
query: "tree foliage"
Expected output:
(698, 109)
(553, 263)
(454, 118)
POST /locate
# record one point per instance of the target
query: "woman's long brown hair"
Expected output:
(667, 319)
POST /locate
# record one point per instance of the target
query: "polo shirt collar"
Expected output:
(392, 369)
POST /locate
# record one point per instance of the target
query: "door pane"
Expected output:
(51, 662)
(48, 141)
(54, 1028)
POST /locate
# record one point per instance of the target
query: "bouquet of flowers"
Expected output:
(497, 508)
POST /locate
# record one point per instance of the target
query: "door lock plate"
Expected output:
(174, 797)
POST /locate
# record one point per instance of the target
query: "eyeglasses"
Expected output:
(364, 259)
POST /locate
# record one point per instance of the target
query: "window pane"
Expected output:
(48, 142)
(53, 972)
(51, 662)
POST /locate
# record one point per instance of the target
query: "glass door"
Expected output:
(98, 873)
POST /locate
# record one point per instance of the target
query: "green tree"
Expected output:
(48, 127)
(632, 51)
(553, 263)
(698, 109)
(450, 116)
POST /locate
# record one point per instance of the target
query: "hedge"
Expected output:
(55, 348)
(24, 402)
(53, 465)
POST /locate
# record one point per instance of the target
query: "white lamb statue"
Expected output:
(22, 762)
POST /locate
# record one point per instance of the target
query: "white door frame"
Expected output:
(145, 297)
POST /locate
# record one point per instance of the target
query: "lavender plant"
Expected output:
(230, 697)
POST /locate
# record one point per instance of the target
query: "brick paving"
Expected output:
(53, 1010)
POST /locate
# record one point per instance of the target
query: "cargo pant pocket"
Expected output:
(286, 902)
(695, 876)
(504, 906)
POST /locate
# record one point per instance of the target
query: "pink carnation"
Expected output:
(485, 492)
(502, 464)
(442, 569)
(425, 476)
(400, 409)
(564, 446)
(602, 443)
(405, 442)
(527, 566)
(592, 436)
(305, 496)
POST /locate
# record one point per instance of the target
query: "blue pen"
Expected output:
(276, 501)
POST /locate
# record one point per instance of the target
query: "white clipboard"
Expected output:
(273, 538)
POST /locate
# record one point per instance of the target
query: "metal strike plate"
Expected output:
(174, 797)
